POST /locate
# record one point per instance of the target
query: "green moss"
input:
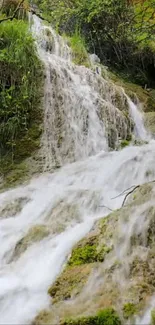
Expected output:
(129, 309)
(81, 321)
(82, 255)
(89, 253)
(124, 143)
(153, 317)
(104, 317)
(69, 283)
(102, 252)
(15, 174)
(108, 317)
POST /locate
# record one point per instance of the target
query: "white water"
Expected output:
(69, 200)
(139, 129)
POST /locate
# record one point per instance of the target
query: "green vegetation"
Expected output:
(88, 253)
(78, 46)
(153, 317)
(129, 310)
(20, 94)
(104, 317)
(124, 143)
(82, 255)
(69, 283)
(124, 29)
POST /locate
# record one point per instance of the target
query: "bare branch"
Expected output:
(135, 187)
(129, 194)
(122, 193)
(14, 14)
(104, 206)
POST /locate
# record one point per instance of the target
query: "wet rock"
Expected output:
(123, 277)
(11, 209)
(34, 235)
(150, 122)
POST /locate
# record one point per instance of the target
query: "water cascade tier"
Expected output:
(83, 112)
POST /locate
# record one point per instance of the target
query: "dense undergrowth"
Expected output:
(120, 32)
(20, 94)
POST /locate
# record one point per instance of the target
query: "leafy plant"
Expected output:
(20, 92)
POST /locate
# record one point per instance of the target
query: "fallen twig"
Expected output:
(122, 193)
(104, 206)
(129, 194)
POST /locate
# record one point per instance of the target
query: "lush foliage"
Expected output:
(120, 32)
(79, 51)
(20, 81)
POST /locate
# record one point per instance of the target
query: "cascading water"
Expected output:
(82, 110)
(59, 209)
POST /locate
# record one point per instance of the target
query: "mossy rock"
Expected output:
(133, 90)
(89, 250)
(70, 282)
(18, 173)
(11, 209)
(104, 317)
(129, 309)
(35, 234)
(153, 317)
(43, 318)
(85, 272)
(141, 195)
(150, 122)
(139, 142)
(124, 143)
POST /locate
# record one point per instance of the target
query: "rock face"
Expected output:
(113, 266)
(35, 234)
(12, 208)
(150, 122)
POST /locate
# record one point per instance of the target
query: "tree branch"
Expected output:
(14, 14)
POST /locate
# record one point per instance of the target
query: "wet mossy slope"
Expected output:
(110, 268)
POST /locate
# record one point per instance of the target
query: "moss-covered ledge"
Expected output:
(90, 280)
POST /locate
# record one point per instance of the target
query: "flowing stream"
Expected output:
(67, 202)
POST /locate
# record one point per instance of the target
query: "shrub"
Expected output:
(20, 88)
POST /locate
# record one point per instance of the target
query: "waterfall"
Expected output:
(59, 208)
(84, 113)
(139, 129)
